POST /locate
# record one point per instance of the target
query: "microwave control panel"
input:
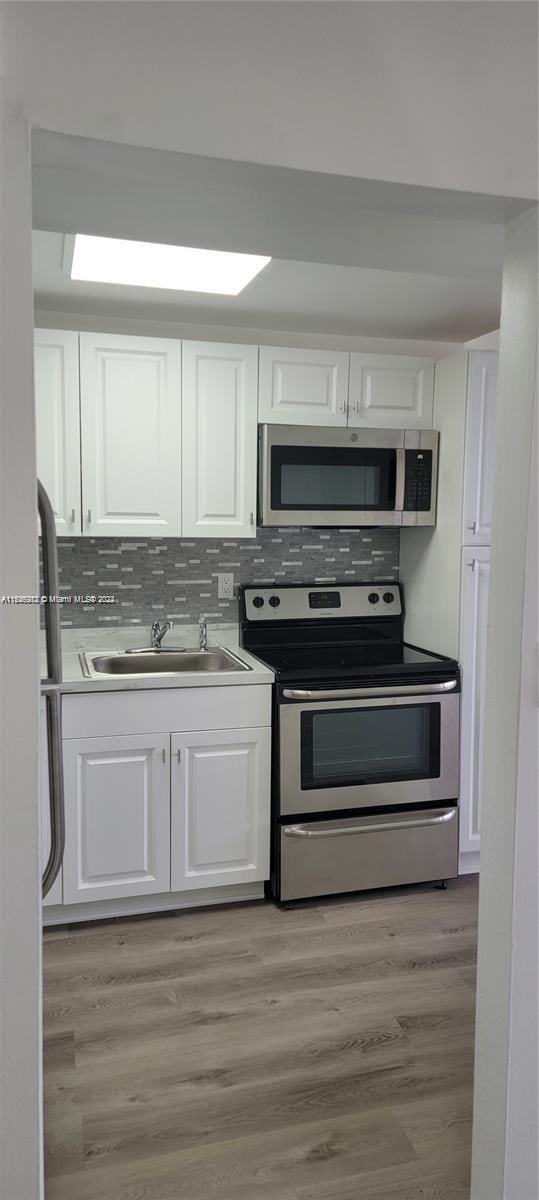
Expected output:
(418, 481)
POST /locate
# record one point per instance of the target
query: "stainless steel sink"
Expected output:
(160, 662)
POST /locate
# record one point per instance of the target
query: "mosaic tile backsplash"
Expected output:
(176, 579)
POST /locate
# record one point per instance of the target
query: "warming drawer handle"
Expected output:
(299, 831)
(415, 689)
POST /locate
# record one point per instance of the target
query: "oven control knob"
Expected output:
(373, 597)
(258, 601)
(389, 597)
(274, 601)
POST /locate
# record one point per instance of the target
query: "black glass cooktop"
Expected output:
(377, 659)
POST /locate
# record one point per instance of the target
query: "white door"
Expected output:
(131, 422)
(220, 796)
(56, 380)
(473, 653)
(219, 454)
(55, 894)
(480, 444)
(117, 802)
(391, 391)
(302, 387)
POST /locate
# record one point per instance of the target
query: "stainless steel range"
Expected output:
(366, 740)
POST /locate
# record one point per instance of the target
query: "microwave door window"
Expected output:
(307, 478)
(370, 745)
(304, 485)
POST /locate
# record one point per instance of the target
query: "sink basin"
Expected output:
(160, 662)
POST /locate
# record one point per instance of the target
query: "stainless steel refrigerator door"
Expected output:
(322, 858)
(50, 689)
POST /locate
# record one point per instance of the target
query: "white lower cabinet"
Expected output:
(473, 652)
(220, 807)
(117, 802)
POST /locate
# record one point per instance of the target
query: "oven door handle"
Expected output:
(416, 689)
(299, 831)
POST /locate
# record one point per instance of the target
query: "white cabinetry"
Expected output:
(220, 807)
(219, 455)
(480, 441)
(128, 779)
(117, 802)
(445, 570)
(56, 377)
(131, 422)
(392, 391)
(473, 653)
(302, 387)
(54, 896)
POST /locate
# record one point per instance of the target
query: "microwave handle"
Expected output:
(412, 689)
(400, 480)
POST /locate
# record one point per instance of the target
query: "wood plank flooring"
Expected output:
(245, 1053)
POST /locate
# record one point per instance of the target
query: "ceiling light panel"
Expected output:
(153, 265)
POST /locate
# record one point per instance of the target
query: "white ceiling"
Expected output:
(441, 95)
(298, 296)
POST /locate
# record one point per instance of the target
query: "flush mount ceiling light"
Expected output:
(151, 264)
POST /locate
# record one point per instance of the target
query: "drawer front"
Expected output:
(185, 709)
(321, 858)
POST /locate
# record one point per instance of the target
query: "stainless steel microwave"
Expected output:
(314, 475)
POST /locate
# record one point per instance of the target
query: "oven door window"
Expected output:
(316, 478)
(347, 746)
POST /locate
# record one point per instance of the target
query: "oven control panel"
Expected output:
(299, 603)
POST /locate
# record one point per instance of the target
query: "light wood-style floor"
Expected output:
(245, 1053)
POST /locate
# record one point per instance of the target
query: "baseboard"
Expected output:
(469, 863)
(68, 914)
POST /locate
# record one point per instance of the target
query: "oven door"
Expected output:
(330, 476)
(363, 748)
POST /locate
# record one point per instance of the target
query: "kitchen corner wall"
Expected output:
(176, 579)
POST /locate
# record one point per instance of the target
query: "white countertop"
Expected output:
(99, 641)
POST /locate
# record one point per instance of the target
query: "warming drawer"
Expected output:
(321, 858)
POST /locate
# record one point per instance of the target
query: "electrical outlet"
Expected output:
(225, 585)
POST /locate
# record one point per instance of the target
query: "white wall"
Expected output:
(146, 325)
(438, 94)
(430, 558)
(506, 1071)
(20, 929)
(522, 1156)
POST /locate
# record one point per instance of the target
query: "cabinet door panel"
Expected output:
(302, 387)
(117, 795)
(131, 420)
(394, 391)
(480, 448)
(56, 378)
(473, 653)
(54, 896)
(220, 808)
(219, 416)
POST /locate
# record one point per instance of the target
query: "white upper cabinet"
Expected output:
(480, 446)
(302, 387)
(56, 374)
(220, 808)
(117, 817)
(219, 453)
(393, 391)
(475, 581)
(131, 441)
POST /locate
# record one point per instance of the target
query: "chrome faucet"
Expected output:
(202, 633)
(158, 633)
